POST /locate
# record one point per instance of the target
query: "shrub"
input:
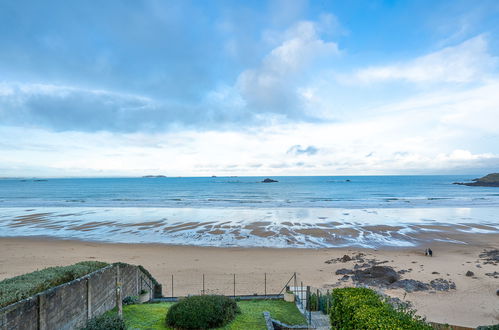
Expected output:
(23, 286)
(130, 300)
(313, 302)
(202, 312)
(488, 327)
(106, 322)
(362, 308)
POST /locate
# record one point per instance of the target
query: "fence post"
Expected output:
(318, 301)
(172, 285)
(309, 303)
(265, 285)
(301, 295)
(295, 282)
(203, 292)
(234, 286)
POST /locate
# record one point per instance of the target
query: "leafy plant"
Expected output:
(23, 286)
(143, 291)
(106, 322)
(130, 300)
(362, 308)
(202, 312)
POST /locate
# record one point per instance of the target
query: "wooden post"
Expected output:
(309, 303)
(172, 285)
(265, 280)
(203, 286)
(234, 286)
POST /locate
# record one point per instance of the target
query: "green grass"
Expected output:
(23, 286)
(152, 316)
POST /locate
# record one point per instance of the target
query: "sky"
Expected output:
(285, 87)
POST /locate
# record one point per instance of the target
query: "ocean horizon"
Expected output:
(307, 212)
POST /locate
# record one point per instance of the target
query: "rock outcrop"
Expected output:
(268, 180)
(490, 180)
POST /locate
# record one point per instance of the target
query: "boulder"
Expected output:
(376, 276)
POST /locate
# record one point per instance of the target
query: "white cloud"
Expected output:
(273, 86)
(438, 135)
(463, 63)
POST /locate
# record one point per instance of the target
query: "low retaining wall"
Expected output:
(70, 305)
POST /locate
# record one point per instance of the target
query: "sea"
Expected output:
(296, 211)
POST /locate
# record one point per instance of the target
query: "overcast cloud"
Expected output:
(247, 88)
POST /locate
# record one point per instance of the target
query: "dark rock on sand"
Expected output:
(440, 284)
(490, 257)
(469, 273)
(345, 258)
(494, 274)
(345, 278)
(268, 180)
(410, 285)
(490, 180)
(376, 276)
(344, 271)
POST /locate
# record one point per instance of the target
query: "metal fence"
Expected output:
(227, 284)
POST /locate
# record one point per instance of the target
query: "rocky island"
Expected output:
(268, 180)
(154, 176)
(490, 180)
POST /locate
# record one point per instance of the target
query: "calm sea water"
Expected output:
(359, 192)
(243, 211)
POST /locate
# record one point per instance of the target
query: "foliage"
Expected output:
(202, 312)
(130, 300)
(23, 286)
(108, 321)
(143, 291)
(362, 308)
(313, 302)
(488, 327)
(152, 316)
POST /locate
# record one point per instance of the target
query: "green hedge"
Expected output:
(106, 322)
(202, 312)
(362, 308)
(24, 286)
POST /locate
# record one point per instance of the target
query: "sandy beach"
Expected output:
(474, 301)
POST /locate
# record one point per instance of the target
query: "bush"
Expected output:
(488, 327)
(202, 312)
(361, 308)
(23, 286)
(106, 322)
(313, 302)
(130, 300)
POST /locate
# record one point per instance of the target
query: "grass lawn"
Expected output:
(152, 316)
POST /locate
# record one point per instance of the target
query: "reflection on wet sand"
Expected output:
(274, 228)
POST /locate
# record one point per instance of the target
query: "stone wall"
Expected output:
(70, 305)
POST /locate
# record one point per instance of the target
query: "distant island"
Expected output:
(490, 180)
(268, 180)
(154, 176)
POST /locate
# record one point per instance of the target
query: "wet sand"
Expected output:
(473, 303)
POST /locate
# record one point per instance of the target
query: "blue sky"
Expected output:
(286, 87)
